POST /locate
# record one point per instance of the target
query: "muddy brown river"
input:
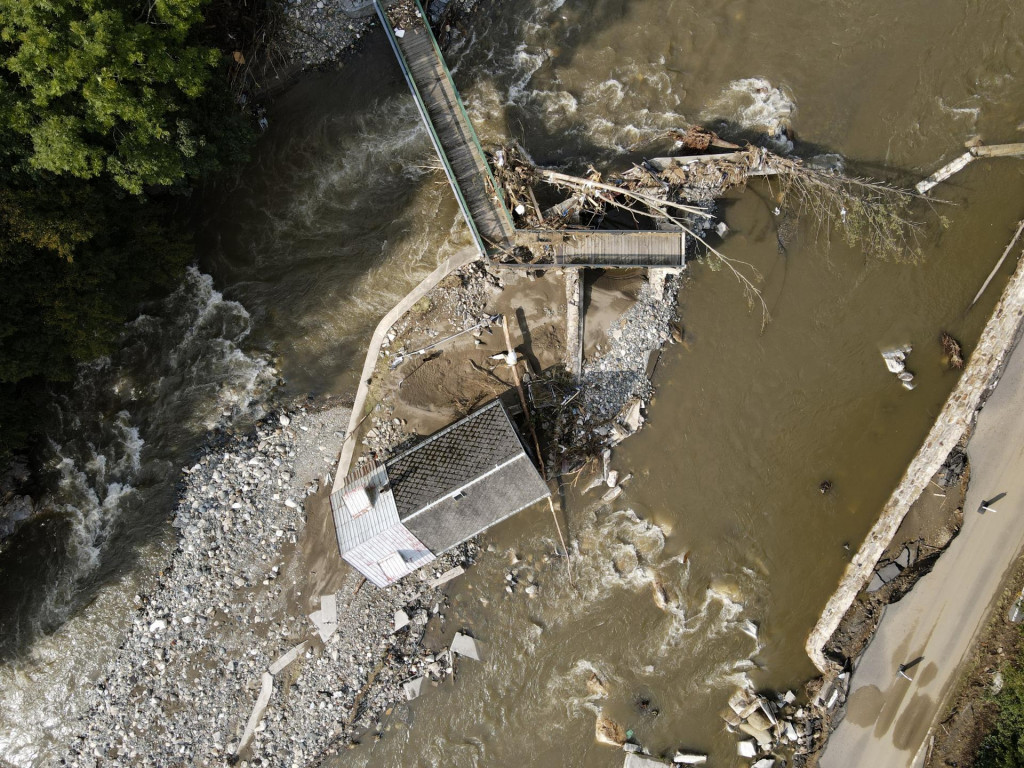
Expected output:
(343, 210)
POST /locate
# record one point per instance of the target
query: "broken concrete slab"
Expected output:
(731, 718)
(266, 688)
(464, 645)
(689, 758)
(612, 494)
(763, 737)
(412, 688)
(759, 721)
(768, 710)
(904, 558)
(635, 760)
(766, 762)
(875, 584)
(747, 748)
(447, 576)
(889, 572)
(630, 415)
(743, 703)
(401, 619)
(287, 658)
(326, 619)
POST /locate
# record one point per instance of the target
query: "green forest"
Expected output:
(112, 112)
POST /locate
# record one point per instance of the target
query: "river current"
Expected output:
(343, 209)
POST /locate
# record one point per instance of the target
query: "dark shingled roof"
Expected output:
(487, 502)
(452, 458)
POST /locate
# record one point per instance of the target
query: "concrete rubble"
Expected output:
(896, 363)
(318, 32)
(287, 658)
(326, 618)
(464, 645)
(769, 726)
(636, 760)
(447, 576)
(689, 758)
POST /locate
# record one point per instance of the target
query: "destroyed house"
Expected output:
(396, 517)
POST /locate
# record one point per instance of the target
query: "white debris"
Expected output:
(326, 619)
(464, 645)
(401, 619)
(287, 658)
(894, 361)
(747, 748)
(689, 758)
(749, 628)
(158, 626)
(630, 415)
(634, 760)
(447, 576)
(412, 688)
(260, 707)
(612, 494)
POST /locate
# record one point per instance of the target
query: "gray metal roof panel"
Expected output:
(453, 458)
(485, 502)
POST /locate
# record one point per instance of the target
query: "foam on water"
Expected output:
(755, 104)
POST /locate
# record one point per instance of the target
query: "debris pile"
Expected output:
(896, 363)
(771, 725)
(615, 387)
(951, 349)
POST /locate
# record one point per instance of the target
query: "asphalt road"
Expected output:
(888, 716)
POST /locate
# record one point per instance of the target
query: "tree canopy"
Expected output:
(103, 87)
(109, 110)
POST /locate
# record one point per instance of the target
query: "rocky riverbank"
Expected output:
(317, 33)
(234, 597)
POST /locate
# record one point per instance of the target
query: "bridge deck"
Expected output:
(451, 131)
(466, 166)
(603, 248)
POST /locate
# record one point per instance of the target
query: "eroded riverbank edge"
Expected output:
(839, 636)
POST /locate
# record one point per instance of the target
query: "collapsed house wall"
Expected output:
(975, 385)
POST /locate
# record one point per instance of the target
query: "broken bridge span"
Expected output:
(479, 197)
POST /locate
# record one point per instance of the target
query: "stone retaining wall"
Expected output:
(977, 382)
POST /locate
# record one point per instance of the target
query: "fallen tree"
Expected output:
(678, 192)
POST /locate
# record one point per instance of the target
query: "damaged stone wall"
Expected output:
(958, 414)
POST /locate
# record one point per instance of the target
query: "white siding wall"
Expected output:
(366, 557)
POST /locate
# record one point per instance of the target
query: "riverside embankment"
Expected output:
(957, 418)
